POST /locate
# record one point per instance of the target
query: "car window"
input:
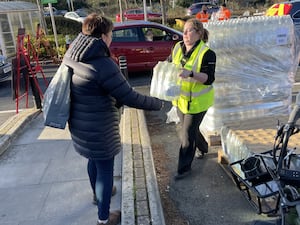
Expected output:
(73, 15)
(81, 13)
(296, 15)
(157, 34)
(125, 35)
(130, 12)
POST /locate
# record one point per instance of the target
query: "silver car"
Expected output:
(5, 69)
(196, 7)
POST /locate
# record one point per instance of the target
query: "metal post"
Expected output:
(123, 66)
(54, 28)
(35, 93)
(121, 11)
(145, 10)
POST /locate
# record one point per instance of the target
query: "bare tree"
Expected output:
(163, 11)
(126, 5)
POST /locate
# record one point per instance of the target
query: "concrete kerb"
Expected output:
(14, 125)
(128, 205)
(156, 210)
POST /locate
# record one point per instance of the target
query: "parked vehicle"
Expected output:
(129, 39)
(78, 16)
(291, 8)
(56, 12)
(137, 14)
(196, 7)
(5, 69)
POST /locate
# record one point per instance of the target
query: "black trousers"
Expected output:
(191, 138)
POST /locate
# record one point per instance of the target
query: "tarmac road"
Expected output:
(8, 104)
(208, 196)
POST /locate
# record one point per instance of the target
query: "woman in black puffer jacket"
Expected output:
(98, 89)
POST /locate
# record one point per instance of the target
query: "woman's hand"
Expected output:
(185, 73)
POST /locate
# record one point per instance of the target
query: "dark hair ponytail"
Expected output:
(205, 35)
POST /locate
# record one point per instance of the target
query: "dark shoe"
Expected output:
(95, 201)
(113, 193)
(180, 176)
(114, 218)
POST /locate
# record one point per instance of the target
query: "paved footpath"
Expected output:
(44, 181)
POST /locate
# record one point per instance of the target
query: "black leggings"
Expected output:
(191, 138)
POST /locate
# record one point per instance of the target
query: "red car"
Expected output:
(143, 51)
(136, 14)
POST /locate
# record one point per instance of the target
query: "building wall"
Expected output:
(11, 19)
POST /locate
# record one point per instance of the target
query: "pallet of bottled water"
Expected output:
(257, 59)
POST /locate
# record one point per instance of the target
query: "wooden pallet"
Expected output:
(212, 138)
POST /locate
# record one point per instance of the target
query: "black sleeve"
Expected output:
(208, 66)
(116, 85)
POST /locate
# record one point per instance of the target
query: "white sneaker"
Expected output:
(199, 154)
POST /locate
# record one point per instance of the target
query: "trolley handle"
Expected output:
(288, 130)
(295, 114)
(284, 132)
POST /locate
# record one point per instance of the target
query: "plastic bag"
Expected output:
(56, 103)
(172, 116)
(164, 83)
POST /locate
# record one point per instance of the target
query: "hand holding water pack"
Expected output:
(165, 82)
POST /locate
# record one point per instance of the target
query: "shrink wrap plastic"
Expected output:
(257, 59)
(164, 83)
(233, 147)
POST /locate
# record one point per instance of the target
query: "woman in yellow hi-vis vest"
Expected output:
(198, 64)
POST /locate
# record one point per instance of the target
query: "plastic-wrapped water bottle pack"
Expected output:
(257, 59)
(165, 82)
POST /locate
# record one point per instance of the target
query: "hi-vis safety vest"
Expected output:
(195, 97)
(203, 17)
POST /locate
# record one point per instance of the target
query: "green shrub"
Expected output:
(72, 28)
(63, 26)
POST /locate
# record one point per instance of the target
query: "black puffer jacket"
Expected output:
(98, 88)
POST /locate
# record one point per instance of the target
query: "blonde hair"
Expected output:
(198, 26)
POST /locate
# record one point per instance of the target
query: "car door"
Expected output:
(295, 15)
(141, 54)
(139, 14)
(129, 14)
(133, 14)
(127, 42)
(160, 47)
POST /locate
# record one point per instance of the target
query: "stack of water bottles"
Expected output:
(255, 70)
(165, 83)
